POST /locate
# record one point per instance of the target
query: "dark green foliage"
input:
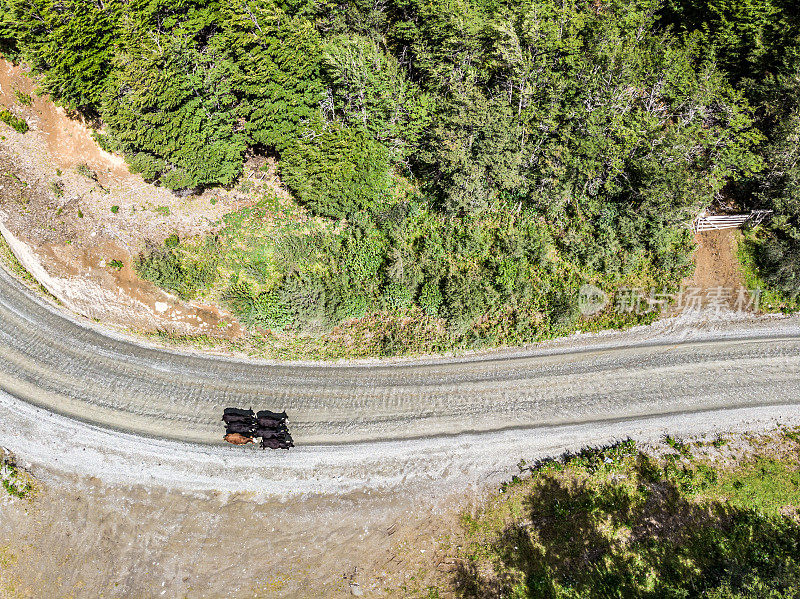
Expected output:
(277, 57)
(19, 125)
(616, 522)
(71, 42)
(337, 172)
(484, 160)
(166, 267)
(172, 109)
(757, 43)
(778, 253)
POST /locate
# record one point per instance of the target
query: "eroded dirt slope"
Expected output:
(77, 210)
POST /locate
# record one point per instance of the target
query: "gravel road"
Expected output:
(58, 372)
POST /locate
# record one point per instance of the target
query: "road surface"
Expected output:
(62, 374)
(53, 361)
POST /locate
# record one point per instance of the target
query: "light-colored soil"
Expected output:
(80, 538)
(74, 234)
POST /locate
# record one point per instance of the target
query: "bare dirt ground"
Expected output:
(81, 537)
(715, 260)
(75, 225)
(717, 282)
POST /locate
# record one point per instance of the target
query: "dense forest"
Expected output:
(480, 159)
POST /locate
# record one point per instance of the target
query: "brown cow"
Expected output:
(238, 439)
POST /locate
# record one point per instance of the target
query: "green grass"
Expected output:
(14, 481)
(617, 521)
(19, 125)
(772, 299)
(766, 485)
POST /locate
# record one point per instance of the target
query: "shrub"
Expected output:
(148, 165)
(57, 187)
(16, 482)
(167, 268)
(22, 97)
(84, 170)
(338, 172)
(16, 123)
(263, 309)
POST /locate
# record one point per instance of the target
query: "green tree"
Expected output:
(173, 110)
(337, 172)
(277, 57)
(70, 42)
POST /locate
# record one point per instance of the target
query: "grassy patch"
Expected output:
(620, 522)
(766, 485)
(19, 125)
(772, 298)
(14, 481)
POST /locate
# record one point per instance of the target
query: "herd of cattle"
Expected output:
(242, 426)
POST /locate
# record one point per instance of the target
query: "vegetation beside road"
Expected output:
(15, 482)
(717, 519)
(461, 168)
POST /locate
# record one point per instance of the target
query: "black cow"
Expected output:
(279, 426)
(270, 426)
(273, 434)
(243, 428)
(232, 415)
(237, 412)
(275, 444)
(271, 415)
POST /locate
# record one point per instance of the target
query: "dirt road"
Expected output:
(140, 494)
(65, 367)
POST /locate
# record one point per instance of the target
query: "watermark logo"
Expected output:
(591, 300)
(640, 301)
